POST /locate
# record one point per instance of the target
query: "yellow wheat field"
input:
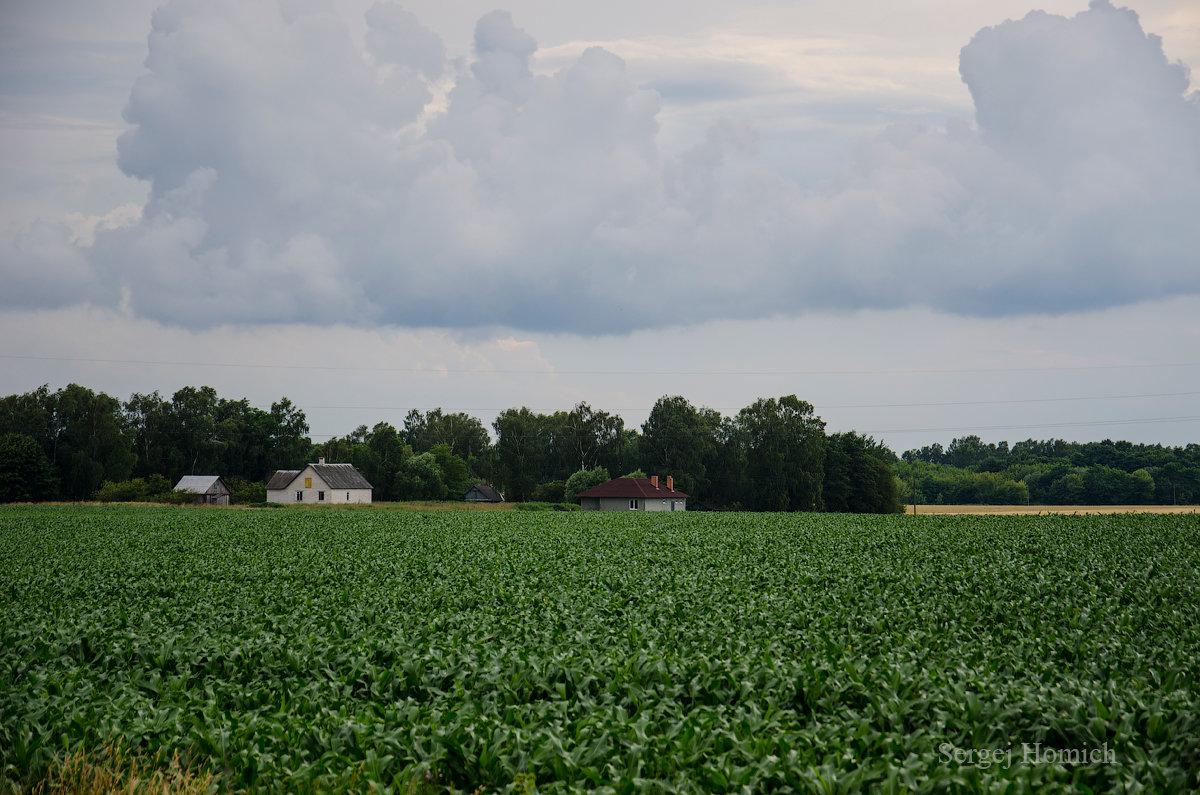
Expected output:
(1045, 509)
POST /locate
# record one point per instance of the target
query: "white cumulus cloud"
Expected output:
(298, 177)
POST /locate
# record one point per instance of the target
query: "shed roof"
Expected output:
(633, 488)
(202, 484)
(487, 491)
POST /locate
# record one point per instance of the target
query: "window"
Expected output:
(299, 496)
(320, 496)
(633, 506)
(347, 496)
(308, 483)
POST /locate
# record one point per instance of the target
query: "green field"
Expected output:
(422, 652)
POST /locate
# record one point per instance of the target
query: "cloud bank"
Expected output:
(297, 177)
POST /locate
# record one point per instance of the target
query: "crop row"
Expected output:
(626, 653)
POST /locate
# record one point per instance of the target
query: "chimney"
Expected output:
(654, 481)
(670, 483)
(321, 460)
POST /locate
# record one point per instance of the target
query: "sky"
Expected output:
(928, 220)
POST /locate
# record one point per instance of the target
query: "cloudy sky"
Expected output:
(926, 219)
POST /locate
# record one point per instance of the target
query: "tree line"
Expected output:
(773, 455)
(1051, 472)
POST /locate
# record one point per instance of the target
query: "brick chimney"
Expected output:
(670, 483)
(654, 481)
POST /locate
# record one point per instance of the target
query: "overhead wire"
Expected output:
(722, 373)
(438, 370)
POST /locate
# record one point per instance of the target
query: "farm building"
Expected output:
(482, 492)
(319, 483)
(208, 489)
(634, 494)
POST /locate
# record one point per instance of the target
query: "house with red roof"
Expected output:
(634, 494)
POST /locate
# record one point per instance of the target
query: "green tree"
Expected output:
(859, 476)
(191, 428)
(1067, 490)
(465, 435)
(521, 440)
(583, 480)
(785, 453)
(87, 444)
(677, 439)
(454, 471)
(29, 414)
(590, 437)
(145, 419)
(549, 492)
(26, 474)
(420, 478)
(289, 437)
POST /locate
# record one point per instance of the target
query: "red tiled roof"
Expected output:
(633, 488)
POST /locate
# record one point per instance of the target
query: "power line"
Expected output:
(1032, 426)
(822, 406)
(551, 371)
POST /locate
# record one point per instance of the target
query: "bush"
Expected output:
(244, 492)
(134, 490)
(549, 492)
(546, 506)
(583, 480)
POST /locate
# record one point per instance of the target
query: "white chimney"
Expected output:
(321, 460)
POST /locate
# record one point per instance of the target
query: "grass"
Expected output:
(114, 771)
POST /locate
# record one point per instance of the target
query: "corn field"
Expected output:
(555, 652)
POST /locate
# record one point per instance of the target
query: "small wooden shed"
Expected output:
(209, 489)
(482, 492)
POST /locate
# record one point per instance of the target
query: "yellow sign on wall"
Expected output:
(308, 483)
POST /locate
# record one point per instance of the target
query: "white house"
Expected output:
(319, 483)
(209, 489)
(634, 494)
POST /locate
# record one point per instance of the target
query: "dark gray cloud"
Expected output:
(295, 177)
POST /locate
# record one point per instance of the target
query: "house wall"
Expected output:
(311, 494)
(622, 504)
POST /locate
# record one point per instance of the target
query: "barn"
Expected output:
(208, 489)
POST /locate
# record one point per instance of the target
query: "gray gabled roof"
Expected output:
(282, 478)
(341, 476)
(202, 484)
(336, 476)
(489, 493)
